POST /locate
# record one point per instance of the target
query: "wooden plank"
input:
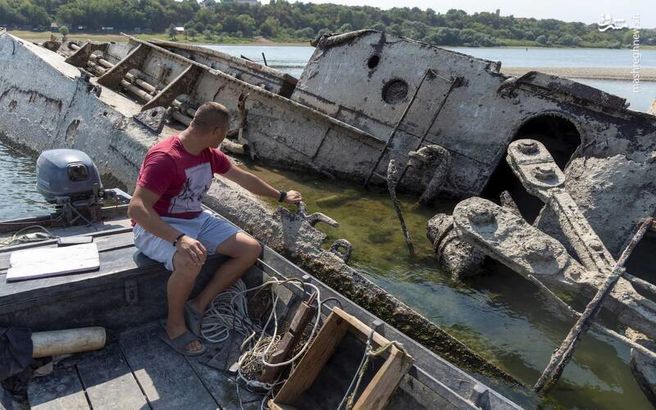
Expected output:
(165, 376)
(430, 369)
(284, 350)
(274, 406)
(44, 262)
(362, 331)
(378, 392)
(61, 389)
(331, 333)
(108, 380)
(213, 374)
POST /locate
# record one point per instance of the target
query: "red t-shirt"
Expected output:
(179, 177)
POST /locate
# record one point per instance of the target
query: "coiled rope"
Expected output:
(229, 312)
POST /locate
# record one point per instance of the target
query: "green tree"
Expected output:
(247, 24)
(63, 30)
(304, 33)
(345, 28)
(280, 18)
(270, 27)
(230, 24)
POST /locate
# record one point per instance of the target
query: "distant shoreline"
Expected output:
(592, 73)
(257, 41)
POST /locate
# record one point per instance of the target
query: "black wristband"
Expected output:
(283, 195)
(175, 243)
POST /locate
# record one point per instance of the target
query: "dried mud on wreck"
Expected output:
(571, 166)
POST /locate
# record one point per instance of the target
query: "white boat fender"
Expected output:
(58, 342)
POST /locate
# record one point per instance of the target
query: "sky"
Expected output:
(586, 11)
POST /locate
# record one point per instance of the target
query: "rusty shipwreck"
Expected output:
(366, 98)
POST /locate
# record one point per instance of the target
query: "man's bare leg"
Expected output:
(243, 251)
(178, 288)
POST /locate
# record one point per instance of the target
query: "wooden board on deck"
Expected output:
(213, 372)
(166, 377)
(43, 262)
(323, 346)
(376, 393)
(105, 240)
(61, 389)
(108, 380)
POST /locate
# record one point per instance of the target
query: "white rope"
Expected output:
(17, 238)
(229, 311)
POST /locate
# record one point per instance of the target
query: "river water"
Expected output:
(499, 314)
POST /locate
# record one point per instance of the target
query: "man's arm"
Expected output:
(141, 211)
(257, 186)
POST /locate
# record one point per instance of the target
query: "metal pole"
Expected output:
(562, 356)
(392, 172)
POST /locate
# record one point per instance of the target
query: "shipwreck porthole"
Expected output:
(395, 91)
(373, 61)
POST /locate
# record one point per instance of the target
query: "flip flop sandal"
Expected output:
(180, 343)
(193, 319)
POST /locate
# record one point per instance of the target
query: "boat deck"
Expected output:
(127, 296)
(140, 371)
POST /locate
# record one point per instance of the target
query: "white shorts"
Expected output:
(209, 229)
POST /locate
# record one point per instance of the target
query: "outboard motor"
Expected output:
(70, 179)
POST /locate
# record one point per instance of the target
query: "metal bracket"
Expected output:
(343, 249)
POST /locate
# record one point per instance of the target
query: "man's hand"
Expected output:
(258, 187)
(192, 248)
(293, 197)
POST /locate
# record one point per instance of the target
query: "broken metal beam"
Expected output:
(536, 169)
(563, 354)
(595, 326)
(81, 56)
(182, 84)
(135, 59)
(506, 237)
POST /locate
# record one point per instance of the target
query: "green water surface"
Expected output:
(499, 315)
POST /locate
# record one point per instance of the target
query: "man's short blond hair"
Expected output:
(211, 115)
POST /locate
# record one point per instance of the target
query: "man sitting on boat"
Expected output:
(171, 227)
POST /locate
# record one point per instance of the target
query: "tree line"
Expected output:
(211, 20)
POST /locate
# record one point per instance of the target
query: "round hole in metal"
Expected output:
(373, 61)
(395, 91)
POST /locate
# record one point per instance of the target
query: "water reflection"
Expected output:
(18, 186)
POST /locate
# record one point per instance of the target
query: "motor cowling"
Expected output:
(67, 173)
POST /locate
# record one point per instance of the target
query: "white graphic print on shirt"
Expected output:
(197, 183)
